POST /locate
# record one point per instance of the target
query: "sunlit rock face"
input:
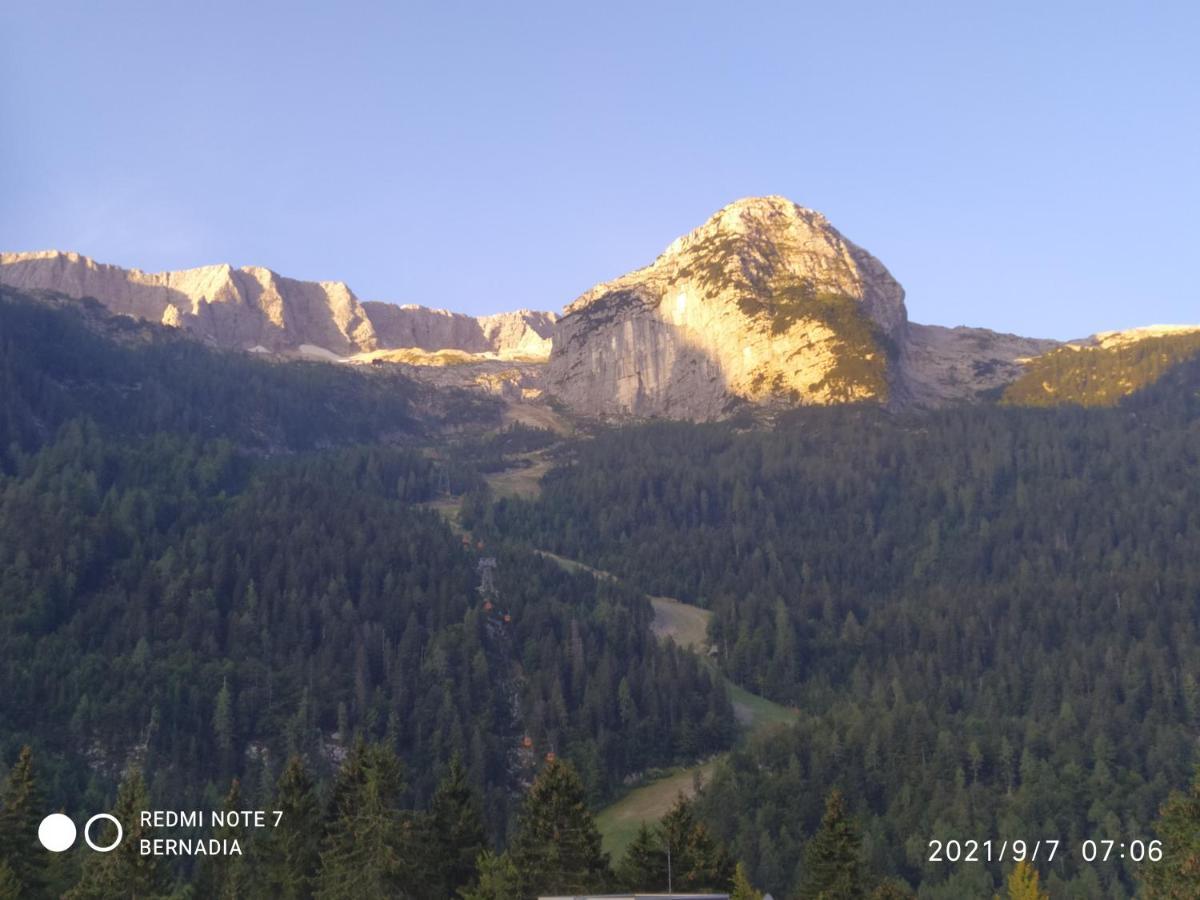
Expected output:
(941, 365)
(253, 308)
(766, 302)
(522, 334)
(228, 307)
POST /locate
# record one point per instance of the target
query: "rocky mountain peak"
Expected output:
(764, 301)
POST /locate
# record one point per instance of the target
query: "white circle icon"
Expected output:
(87, 832)
(57, 832)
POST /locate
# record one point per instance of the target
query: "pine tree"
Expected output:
(457, 834)
(1177, 875)
(832, 867)
(124, 872)
(697, 861)
(361, 853)
(742, 889)
(498, 879)
(227, 877)
(20, 813)
(557, 845)
(1022, 883)
(644, 865)
(289, 855)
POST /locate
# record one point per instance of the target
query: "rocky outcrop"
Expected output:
(253, 308)
(235, 308)
(949, 365)
(765, 302)
(521, 334)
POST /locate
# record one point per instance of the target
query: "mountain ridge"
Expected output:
(766, 303)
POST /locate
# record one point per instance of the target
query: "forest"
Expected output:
(223, 584)
(986, 616)
(204, 604)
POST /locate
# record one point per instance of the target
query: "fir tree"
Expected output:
(832, 865)
(1177, 875)
(498, 879)
(644, 865)
(742, 889)
(289, 855)
(227, 876)
(557, 846)
(457, 834)
(697, 861)
(124, 872)
(20, 813)
(361, 854)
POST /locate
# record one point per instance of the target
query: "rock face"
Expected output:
(947, 365)
(254, 308)
(511, 335)
(765, 302)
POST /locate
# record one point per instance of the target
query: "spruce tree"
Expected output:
(557, 846)
(1177, 874)
(644, 865)
(832, 865)
(20, 813)
(697, 861)
(288, 856)
(124, 872)
(498, 879)
(227, 877)
(457, 834)
(742, 889)
(362, 853)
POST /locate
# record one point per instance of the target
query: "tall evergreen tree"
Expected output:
(124, 872)
(832, 859)
(457, 836)
(498, 879)
(742, 888)
(557, 846)
(20, 813)
(362, 853)
(1177, 875)
(644, 865)
(227, 876)
(697, 861)
(288, 856)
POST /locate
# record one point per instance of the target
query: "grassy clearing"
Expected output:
(619, 822)
(521, 481)
(687, 625)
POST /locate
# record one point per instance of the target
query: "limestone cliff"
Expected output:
(947, 365)
(255, 308)
(235, 308)
(765, 302)
(510, 335)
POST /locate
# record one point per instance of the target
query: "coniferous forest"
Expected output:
(224, 585)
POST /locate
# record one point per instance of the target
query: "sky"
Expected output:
(1028, 167)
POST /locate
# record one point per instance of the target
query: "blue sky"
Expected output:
(1029, 167)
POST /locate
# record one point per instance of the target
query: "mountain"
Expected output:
(253, 308)
(766, 304)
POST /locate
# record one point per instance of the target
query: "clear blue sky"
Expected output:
(1024, 166)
